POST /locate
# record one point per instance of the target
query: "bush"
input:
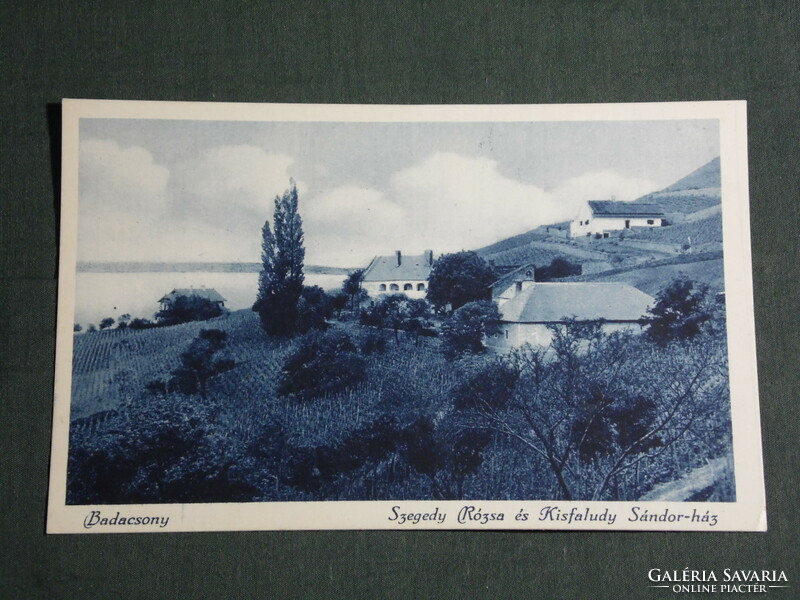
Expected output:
(464, 331)
(373, 342)
(141, 324)
(321, 363)
(106, 323)
(491, 384)
(313, 308)
(77, 328)
(680, 312)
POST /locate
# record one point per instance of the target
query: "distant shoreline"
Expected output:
(192, 267)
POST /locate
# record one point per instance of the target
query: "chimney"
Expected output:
(429, 257)
(399, 257)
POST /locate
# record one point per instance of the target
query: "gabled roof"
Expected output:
(584, 301)
(612, 208)
(385, 268)
(518, 274)
(207, 293)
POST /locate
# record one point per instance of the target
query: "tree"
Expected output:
(123, 321)
(184, 309)
(314, 307)
(280, 284)
(467, 327)
(352, 287)
(680, 311)
(606, 415)
(398, 312)
(459, 278)
(558, 268)
(199, 363)
(77, 327)
(321, 363)
(106, 323)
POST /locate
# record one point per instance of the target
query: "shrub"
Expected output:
(464, 331)
(321, 363)
(680, 312)
(106, 323)
(141, 324)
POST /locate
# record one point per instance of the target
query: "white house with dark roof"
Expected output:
(599, 217)
(398, 274)
(528, 308)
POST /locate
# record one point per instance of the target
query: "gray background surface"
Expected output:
(423, 52)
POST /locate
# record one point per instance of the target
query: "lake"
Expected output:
(100, 295)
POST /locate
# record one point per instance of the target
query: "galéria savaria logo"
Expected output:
(725, 581)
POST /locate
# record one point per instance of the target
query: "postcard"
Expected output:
(277, 316)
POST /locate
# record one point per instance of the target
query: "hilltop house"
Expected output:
(168, 300)
(398, 274)
(599, 217)
(527, 308)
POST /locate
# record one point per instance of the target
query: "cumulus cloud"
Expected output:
(602, 185)
(447, 202)
(212, 207)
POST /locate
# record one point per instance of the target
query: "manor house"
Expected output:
(398, 274)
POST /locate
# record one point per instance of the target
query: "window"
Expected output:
(650, 221)
(394, 287)
(519, 286)
(420, 287)
(627, 223)
(407, 287)
(382, 287)
(506, 333)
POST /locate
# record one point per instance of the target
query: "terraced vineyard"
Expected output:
(110, 366)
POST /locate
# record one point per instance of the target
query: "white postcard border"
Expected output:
(748, 513)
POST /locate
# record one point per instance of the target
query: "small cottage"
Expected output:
(168, 300)
(600, 217)
(527, 309)
(398, 274)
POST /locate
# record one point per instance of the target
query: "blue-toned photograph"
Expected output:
(276, 311)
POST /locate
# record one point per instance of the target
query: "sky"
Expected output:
(200, 191)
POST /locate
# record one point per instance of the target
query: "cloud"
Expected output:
(446, 202)
(349, 224)
(455, 202)
(235, 177)
(602, 185)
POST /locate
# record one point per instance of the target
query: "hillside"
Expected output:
(692, 207)
(698, 190)
(707, 176)
(654, 276)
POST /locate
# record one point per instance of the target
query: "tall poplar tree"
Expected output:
(280, 283)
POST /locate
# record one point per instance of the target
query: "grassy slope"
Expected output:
(652, 278)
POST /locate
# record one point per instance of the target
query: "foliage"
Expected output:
(77, 327)
(162, 449)
(558, 268)
(374, 341)
(352, 287)
(91, 328)
(138, 323)
(185, 309)
(199, 363)
(280, 284)
(459, 278)
(445, 458)
(592, 406)
(321, 363)
(680, 312)
(398, 312)
(464, 331)
(106, 323)
(313, 308)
